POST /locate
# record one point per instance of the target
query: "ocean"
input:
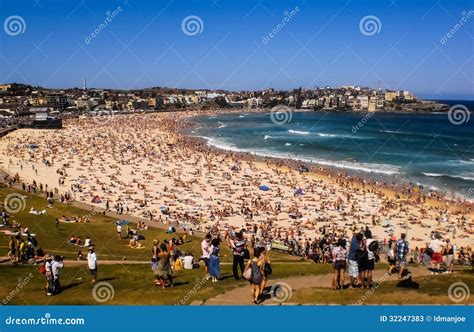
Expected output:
(428, 149)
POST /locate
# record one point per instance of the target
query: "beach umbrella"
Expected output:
(299, 191)
(96, 199)
(264, 188)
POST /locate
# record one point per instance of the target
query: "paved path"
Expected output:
(241, 295)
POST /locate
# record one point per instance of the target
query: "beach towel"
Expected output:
(121, 222)
(38, 213)
(264, 188)
(135, 247)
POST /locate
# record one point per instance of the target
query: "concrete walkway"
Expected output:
(241, 295)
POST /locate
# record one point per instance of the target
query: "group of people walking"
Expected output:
(256, 270)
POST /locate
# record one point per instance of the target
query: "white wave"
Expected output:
(298, 132)
(365, 167)
(463, 176)
(326, 135)
(221, 124)
(287, 144)
(241, 116)
(267, 137)
(433, 174)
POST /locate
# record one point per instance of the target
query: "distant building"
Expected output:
(57, 100)
(390, 95)
(43, 120)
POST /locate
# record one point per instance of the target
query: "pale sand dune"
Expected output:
(133, 158)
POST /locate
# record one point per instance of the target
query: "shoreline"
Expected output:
(327, 172)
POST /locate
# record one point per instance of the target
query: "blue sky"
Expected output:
(321, 44)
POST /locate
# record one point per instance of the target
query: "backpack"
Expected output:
(373, 246)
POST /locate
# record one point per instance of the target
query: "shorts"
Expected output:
(449, 260)
(401, 262)
(206, 261)
(340, 265)
(371, 265)
(353, 269)
(93, 272)
(437, 257)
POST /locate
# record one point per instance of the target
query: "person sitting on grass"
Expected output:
(135, 242)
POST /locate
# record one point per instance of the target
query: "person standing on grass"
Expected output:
(214, 264)
(119, 231)
(12, 249)
(352, 257)
(238, 250)
(266, 263)
(256, 265)
(372, 247)
(436, 245)
(339, 256)
(363, 260)
(56, 267)
(49, 274)
(403, 249)
(92, 263)
(449, 252)
(206, 252)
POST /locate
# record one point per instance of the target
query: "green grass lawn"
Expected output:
(132, 284)
(433, 290)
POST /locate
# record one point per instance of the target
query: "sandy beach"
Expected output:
(140, 164)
